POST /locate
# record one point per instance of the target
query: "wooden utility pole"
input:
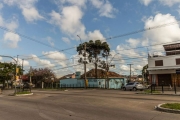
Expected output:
(85, 66)
(130, 70)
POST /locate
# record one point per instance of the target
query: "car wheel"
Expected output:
(124, 89)
(134, 89)
(141, 90)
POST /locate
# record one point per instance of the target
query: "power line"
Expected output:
(122, 35)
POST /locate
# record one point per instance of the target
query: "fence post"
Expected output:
(162, 87)
(151, 88)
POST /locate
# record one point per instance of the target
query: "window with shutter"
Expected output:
(178, 61)
(159, 63)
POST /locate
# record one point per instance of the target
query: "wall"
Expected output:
(114, 83)
(168, 61)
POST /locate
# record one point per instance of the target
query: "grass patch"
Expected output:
(24, 92)
(175, 106)
(149, 91)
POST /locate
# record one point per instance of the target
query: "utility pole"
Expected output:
(85, 64)
(22, 66)
(84, 61)
(130, 70)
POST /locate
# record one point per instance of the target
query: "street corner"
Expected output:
(169, 110)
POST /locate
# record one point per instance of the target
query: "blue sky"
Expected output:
(56, 24)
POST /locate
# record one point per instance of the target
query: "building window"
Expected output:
(159, 63)
(178, 61)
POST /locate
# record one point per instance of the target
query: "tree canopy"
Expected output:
(93, 50)
(7, 71)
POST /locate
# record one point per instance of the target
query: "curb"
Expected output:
(159, 94)
(159, 108)
(23, 94)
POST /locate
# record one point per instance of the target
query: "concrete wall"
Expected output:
(167, 61)
(114, 83)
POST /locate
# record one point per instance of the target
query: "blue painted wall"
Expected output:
(114, 83)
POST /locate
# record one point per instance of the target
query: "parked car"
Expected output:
(133, 86)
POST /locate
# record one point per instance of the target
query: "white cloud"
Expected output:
(126, 50)
(145, 42)
(146, 2)
(95, 35)
(133, 42)
(50, 41)
(11, 39)
(169, 2)
(105, 8)
(0, 58)
(45, 63)
(59, 57)
(163, 2)
(66, 40)
(25, 62)
(124, 68)
(29, 11)
(139, 67)
(69, 22)
(162, 35)
(1, 6)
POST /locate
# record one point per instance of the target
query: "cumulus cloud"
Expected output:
(95, 35)
(126, 50)
(28, 8)
(72, 2)
(10, 39)
(133, 42)
(124, 68)
(162, 35)
(69, 22)
(50, 41)
(105, 8)
(45, 63)
(24, 62)
(163, 2)
(59, 57)
(1, 6)
(66, 40)
(145, 2)
(169, 2)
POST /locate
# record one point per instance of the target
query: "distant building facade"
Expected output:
(165, 69)
(115, 80)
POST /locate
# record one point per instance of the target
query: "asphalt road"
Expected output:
(85, 105)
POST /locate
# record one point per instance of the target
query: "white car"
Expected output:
(133, 86)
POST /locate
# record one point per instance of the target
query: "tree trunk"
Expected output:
(96, 75)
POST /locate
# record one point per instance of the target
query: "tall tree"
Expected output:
(94, 49)
(145, 72)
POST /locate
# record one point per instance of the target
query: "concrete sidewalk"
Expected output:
(160, 93)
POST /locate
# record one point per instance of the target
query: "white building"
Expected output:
(165, 69)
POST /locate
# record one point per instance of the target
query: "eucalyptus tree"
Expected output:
(94, 50)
